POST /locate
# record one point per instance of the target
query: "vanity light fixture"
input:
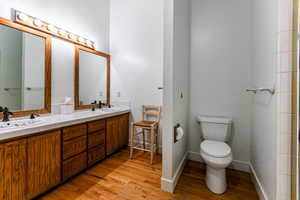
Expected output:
(35, 23)
(51, 28)
(62, 32)
(38, 23)
(72, 36)
(81, 39)
(22, 17)
(89, 43)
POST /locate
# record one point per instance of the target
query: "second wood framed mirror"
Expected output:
(92, 77)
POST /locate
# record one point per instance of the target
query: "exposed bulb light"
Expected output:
(22, 16)
(51, 28)
(80, 39)
(38, 23)
(62, 32)
(72, 36)
(89, 43)
(43, 26)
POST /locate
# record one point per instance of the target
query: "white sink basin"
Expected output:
(13, 124)
(108, 110)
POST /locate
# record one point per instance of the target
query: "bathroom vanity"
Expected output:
(37, 154)
(44, 154)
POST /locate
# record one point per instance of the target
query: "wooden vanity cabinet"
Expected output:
(37, 163)
(44, 162)
(74, 150)
(96, 141)
(74, 165)
(112, 135)
(116, 133)
(13, 161)
(123, 130)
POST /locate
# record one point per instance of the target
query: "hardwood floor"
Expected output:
(119, 178)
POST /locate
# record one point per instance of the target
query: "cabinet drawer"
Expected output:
(74, 131)
(96, 126)
(96, 154)
(73, 147)
(74, 165)
(96, 138)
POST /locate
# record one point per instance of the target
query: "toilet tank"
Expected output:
(215, 128)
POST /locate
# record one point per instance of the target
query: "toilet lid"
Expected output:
(215, 148)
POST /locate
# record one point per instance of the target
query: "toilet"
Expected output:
(214, 150)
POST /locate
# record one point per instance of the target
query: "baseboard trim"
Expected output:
(180, 169)
(236, 164)
(169, 185)
(258, 186)
(195, 156)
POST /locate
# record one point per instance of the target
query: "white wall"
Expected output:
(136, 49)
(264, 134)
(220, 70)
(176, 94)
(168, 98)
(181, 76)
(286, 71)
(89, 19)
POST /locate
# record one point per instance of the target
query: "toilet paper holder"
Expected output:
(175, 132)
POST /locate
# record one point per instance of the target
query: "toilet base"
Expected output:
(216, 179)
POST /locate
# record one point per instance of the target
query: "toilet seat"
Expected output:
(215, 148)
(215, 153)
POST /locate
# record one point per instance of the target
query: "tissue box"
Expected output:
(66, 109)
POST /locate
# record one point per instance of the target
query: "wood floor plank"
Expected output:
(119, 178)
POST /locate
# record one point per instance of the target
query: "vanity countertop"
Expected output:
(54, 121)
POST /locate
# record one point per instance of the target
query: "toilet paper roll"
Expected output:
(180, 133)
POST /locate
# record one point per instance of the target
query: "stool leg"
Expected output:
(156, 141)
(152, 145)
(131, 139)
(144, 143)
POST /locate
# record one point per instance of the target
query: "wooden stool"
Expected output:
(151, 126)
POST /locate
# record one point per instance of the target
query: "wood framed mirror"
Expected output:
(25, 69)
(92, 77)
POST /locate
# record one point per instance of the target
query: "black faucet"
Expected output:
(33, 116)
(100, 104)
(94, 105)
(6, 114)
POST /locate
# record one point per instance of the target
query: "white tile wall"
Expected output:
(285, 15)
(285, 54)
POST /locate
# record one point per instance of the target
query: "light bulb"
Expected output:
(89, 43)
(37, 23)
(93, 45)
(51, 28)
(22, 17)
(80, 39)
(62, 32)
(72, 36)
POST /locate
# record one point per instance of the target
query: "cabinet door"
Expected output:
(13, 170)
(123, 130)
(44, 158)
(112, 134)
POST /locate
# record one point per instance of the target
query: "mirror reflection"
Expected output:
(92, 78)
(22, 70)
